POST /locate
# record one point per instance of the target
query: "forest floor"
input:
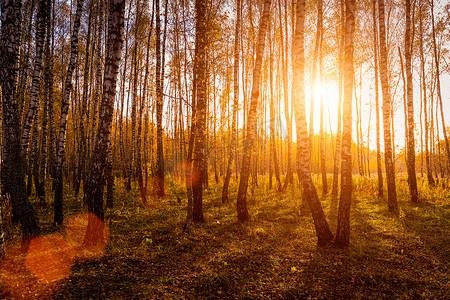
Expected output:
(272, 257)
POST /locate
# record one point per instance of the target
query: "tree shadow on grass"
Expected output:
(273, 256)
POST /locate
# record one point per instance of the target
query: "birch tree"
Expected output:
(35, 85)
(14, 179)
(235, 102)
(387, 107)
(97, 171)
(310, 195)
(411, 149)
(250, 137)
(343, 224)
(199, 159)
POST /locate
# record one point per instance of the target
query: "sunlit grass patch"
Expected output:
(274, 255)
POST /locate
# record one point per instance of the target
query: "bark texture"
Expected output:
(35, 84)
(424, 94)
(377, 99)
(411, 157)
(159, 174)
(387, 108)
(98, 167)
(250, 137)
(235, 103)
(310, 195)
(343, 224)
(337, 153)
(199, 161)
(58, 217)
(13, 180)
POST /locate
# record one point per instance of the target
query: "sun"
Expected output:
(328, 91)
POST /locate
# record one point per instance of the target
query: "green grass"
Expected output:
(273, 256)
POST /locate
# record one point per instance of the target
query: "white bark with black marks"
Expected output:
(13, 180)
(343, 224)
(250, 137)
(35, 84)
(387, 108)
(60, 150)
(97, 171)
(310, 195)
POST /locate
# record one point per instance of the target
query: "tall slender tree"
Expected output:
(97, 171)
(387, 108)
(250, 137)
(273, 150)
(201, 45)
(424, 95)
(321, 130)
(35, 84)
(310, 195)
(159, 174)
(48, 96)
(13, 180)
(51, 115)
(411, 157)
(317, 50)
(83, 114)
(337, 152)
(235, 102)
(58, 203)
(343, 224)
(377, 98)
(287, 113)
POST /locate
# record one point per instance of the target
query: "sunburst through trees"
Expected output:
(183, 98)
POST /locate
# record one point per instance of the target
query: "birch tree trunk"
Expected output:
(337, 153)
(343, 224)
(34, 157)
(24, 55)
(317, 46)
(235, 103)
(51, 115)
(97, 170)
(411, 157)
(123, 132)
(273, 150)
(388, 155)
(189, 169)
(377, 100)
(146, 99)
(310, 195)
(14, 178)
(58, 205)
(159, 174)
(321, 130)
(98, 80)
(199, 161)
(250, 137)
(35, 84)
(82, 147)
(288, 116)
(46, 117)
(424, 93)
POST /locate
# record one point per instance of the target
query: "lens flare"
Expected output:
(50, 258)
(19, 282)
(75, 230)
